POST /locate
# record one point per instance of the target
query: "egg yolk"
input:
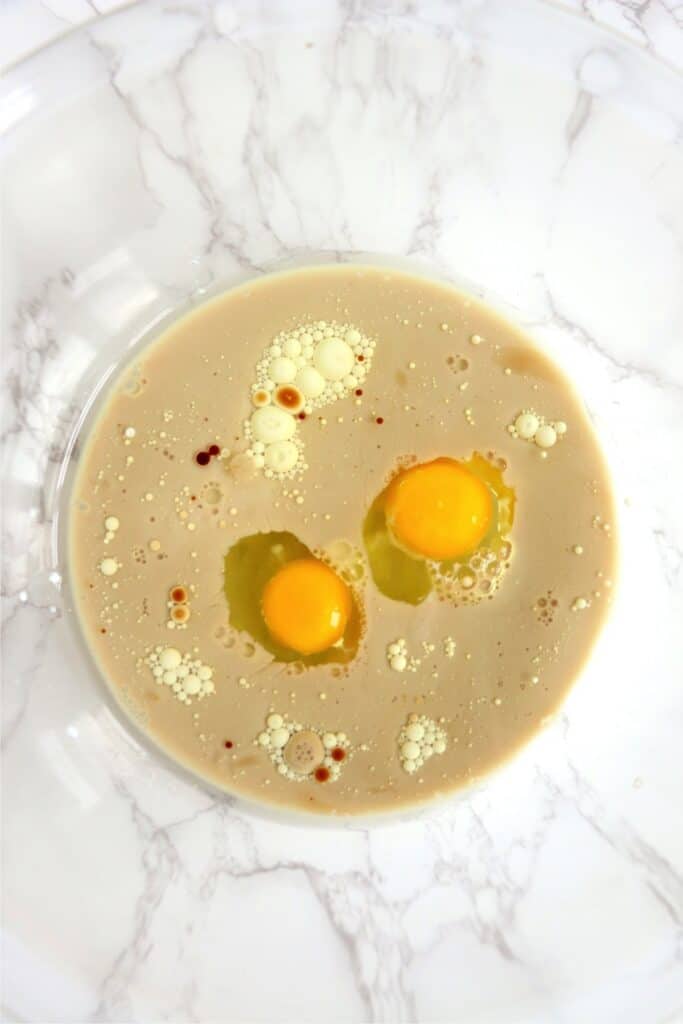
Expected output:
(306, 606)
(439, 510)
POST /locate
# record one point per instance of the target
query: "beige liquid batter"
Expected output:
(448, 377)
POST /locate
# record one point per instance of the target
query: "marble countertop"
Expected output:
(563, 905)
(25, 25)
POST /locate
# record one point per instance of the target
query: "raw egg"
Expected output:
(306, 606)
(438, 510)
(293, 603)
(441, 526)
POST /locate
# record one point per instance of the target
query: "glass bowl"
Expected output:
(173, 150)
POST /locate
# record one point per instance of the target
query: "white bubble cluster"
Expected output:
(299, 751)
(111, 525)
(475, 579)
(529, 425)
(419, 739)
(303, 369)
(449, 646)
(345, 558)
(398, 658)
(186, 676)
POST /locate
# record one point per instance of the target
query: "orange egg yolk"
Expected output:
(439, 510)
(306, 606)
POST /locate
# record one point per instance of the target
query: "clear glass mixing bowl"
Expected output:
(172, 150)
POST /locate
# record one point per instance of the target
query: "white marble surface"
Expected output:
(180, 146)
(25, 25)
